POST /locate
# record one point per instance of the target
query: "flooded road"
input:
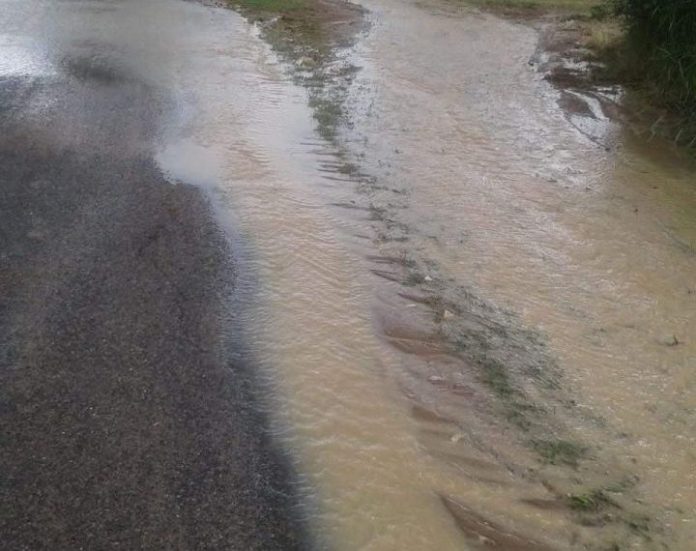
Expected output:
(489, 189)
(477, 324)
(459, 223)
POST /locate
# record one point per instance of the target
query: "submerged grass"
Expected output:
(560, 452)
(297, 24)
(306, 35)
(590, 502)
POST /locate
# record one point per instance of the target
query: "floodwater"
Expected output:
(589, 238)
(473, 211)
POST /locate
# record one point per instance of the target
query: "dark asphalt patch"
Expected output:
(123, 422)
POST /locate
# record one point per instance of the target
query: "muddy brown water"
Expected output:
(477, 208)
(587, 236)
(475, 177)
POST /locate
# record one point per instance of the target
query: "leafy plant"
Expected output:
(664, 33)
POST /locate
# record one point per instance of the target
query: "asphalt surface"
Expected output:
(127, 419)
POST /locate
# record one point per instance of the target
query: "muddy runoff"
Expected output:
(538, 279)
(243, 132)
(478, 323)
(527, 266)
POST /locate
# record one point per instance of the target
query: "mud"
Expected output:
(595, 72)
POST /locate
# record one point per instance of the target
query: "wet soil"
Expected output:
(595, 73)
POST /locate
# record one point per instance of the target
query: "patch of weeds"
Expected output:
(349, 169)
(590, 502)
(639, 524)
(598, 508)
(522, 414)
(494, 374)
(601, 12)
(516, 416)
(413, 279)
(270, 6)
(397, 226)
(497, 378)
(559, 452)
(292, 27)
(307, 34)
(385, 237)
(623, 485)
(328, 114)
(472, 343)
(377, 213)
(407, 261)
(544, 376)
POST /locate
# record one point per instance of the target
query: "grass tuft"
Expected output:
(591, 502)
(560, 452)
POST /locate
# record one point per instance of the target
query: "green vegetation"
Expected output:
(521, 7)
(496, 377)
(560, 452)
(662, 39)
(305, 33)
(413, 279)
(591, 502)
(270, 6)
(296, 24)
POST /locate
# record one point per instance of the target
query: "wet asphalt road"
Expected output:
(127, 419)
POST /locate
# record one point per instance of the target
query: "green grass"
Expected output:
(298, 27)
(591, 502)
(497, 378)
(560, 452)
(536, 6)
(270, 6)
